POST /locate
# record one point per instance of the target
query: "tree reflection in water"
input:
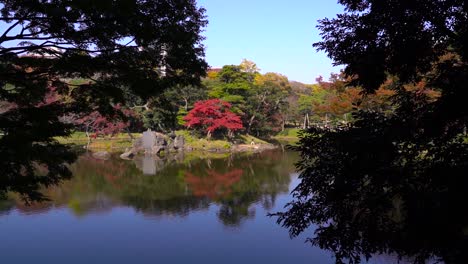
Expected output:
(232, 185)
(213, 185)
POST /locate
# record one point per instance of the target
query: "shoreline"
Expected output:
(122, 142)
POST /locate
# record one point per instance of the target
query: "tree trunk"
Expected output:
(186, 104)
(249, 127)
(161, 128)
(306, 121)
(130, 135)
(89, 138)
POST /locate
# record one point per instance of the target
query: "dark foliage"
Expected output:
(144, 46)
(392, 183)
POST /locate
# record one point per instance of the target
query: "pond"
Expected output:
(152, 211)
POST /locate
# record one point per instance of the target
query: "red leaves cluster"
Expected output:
(212, 115)
(99, 124)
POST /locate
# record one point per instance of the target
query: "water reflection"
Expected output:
(116, 210)
(171, 187)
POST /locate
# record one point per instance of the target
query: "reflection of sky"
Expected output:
(124, 236)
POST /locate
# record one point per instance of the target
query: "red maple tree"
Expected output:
(212, 115)
(95, 124)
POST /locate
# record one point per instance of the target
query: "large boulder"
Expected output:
(153, 143)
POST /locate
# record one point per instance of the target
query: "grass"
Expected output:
(116, 143)
(247, 139)
(289, 132)
(288, 136)
(203, 143)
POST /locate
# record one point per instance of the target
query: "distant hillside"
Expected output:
(301, 88)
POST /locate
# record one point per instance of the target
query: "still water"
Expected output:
(186, 210)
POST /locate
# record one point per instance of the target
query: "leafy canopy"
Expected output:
(139, 46)
(392, 182)
(212, 115)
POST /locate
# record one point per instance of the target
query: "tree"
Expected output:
(261, 100)
(268, 104)
(212, 115)
(161, 114)
(215, 185)
(249, 66)
(231, 84)
(143, 46)
(185, 96)
(392, 182)
(95, 124)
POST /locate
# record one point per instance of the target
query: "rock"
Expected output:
(171, 147)
(152, 143)
(172, 135)
(128, 155)
(179, 142)
(137, 147)
(148, 140)
(102, 155)
(138, 144)
(157, 149)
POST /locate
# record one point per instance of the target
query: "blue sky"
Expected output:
(275, 34)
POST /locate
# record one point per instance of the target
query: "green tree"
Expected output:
(231, 85)
(185, 96)
(144, 46)
(392, 182)
(268, 103)
(261, 100)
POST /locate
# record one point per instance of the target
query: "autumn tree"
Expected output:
(268, 104)
(143, 46)
(249, 67)
(213, 115)
(261, 99)
(96, 124)
(214, 185)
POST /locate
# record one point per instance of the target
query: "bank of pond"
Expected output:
(166, 143)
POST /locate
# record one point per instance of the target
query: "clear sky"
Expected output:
(275, 34)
